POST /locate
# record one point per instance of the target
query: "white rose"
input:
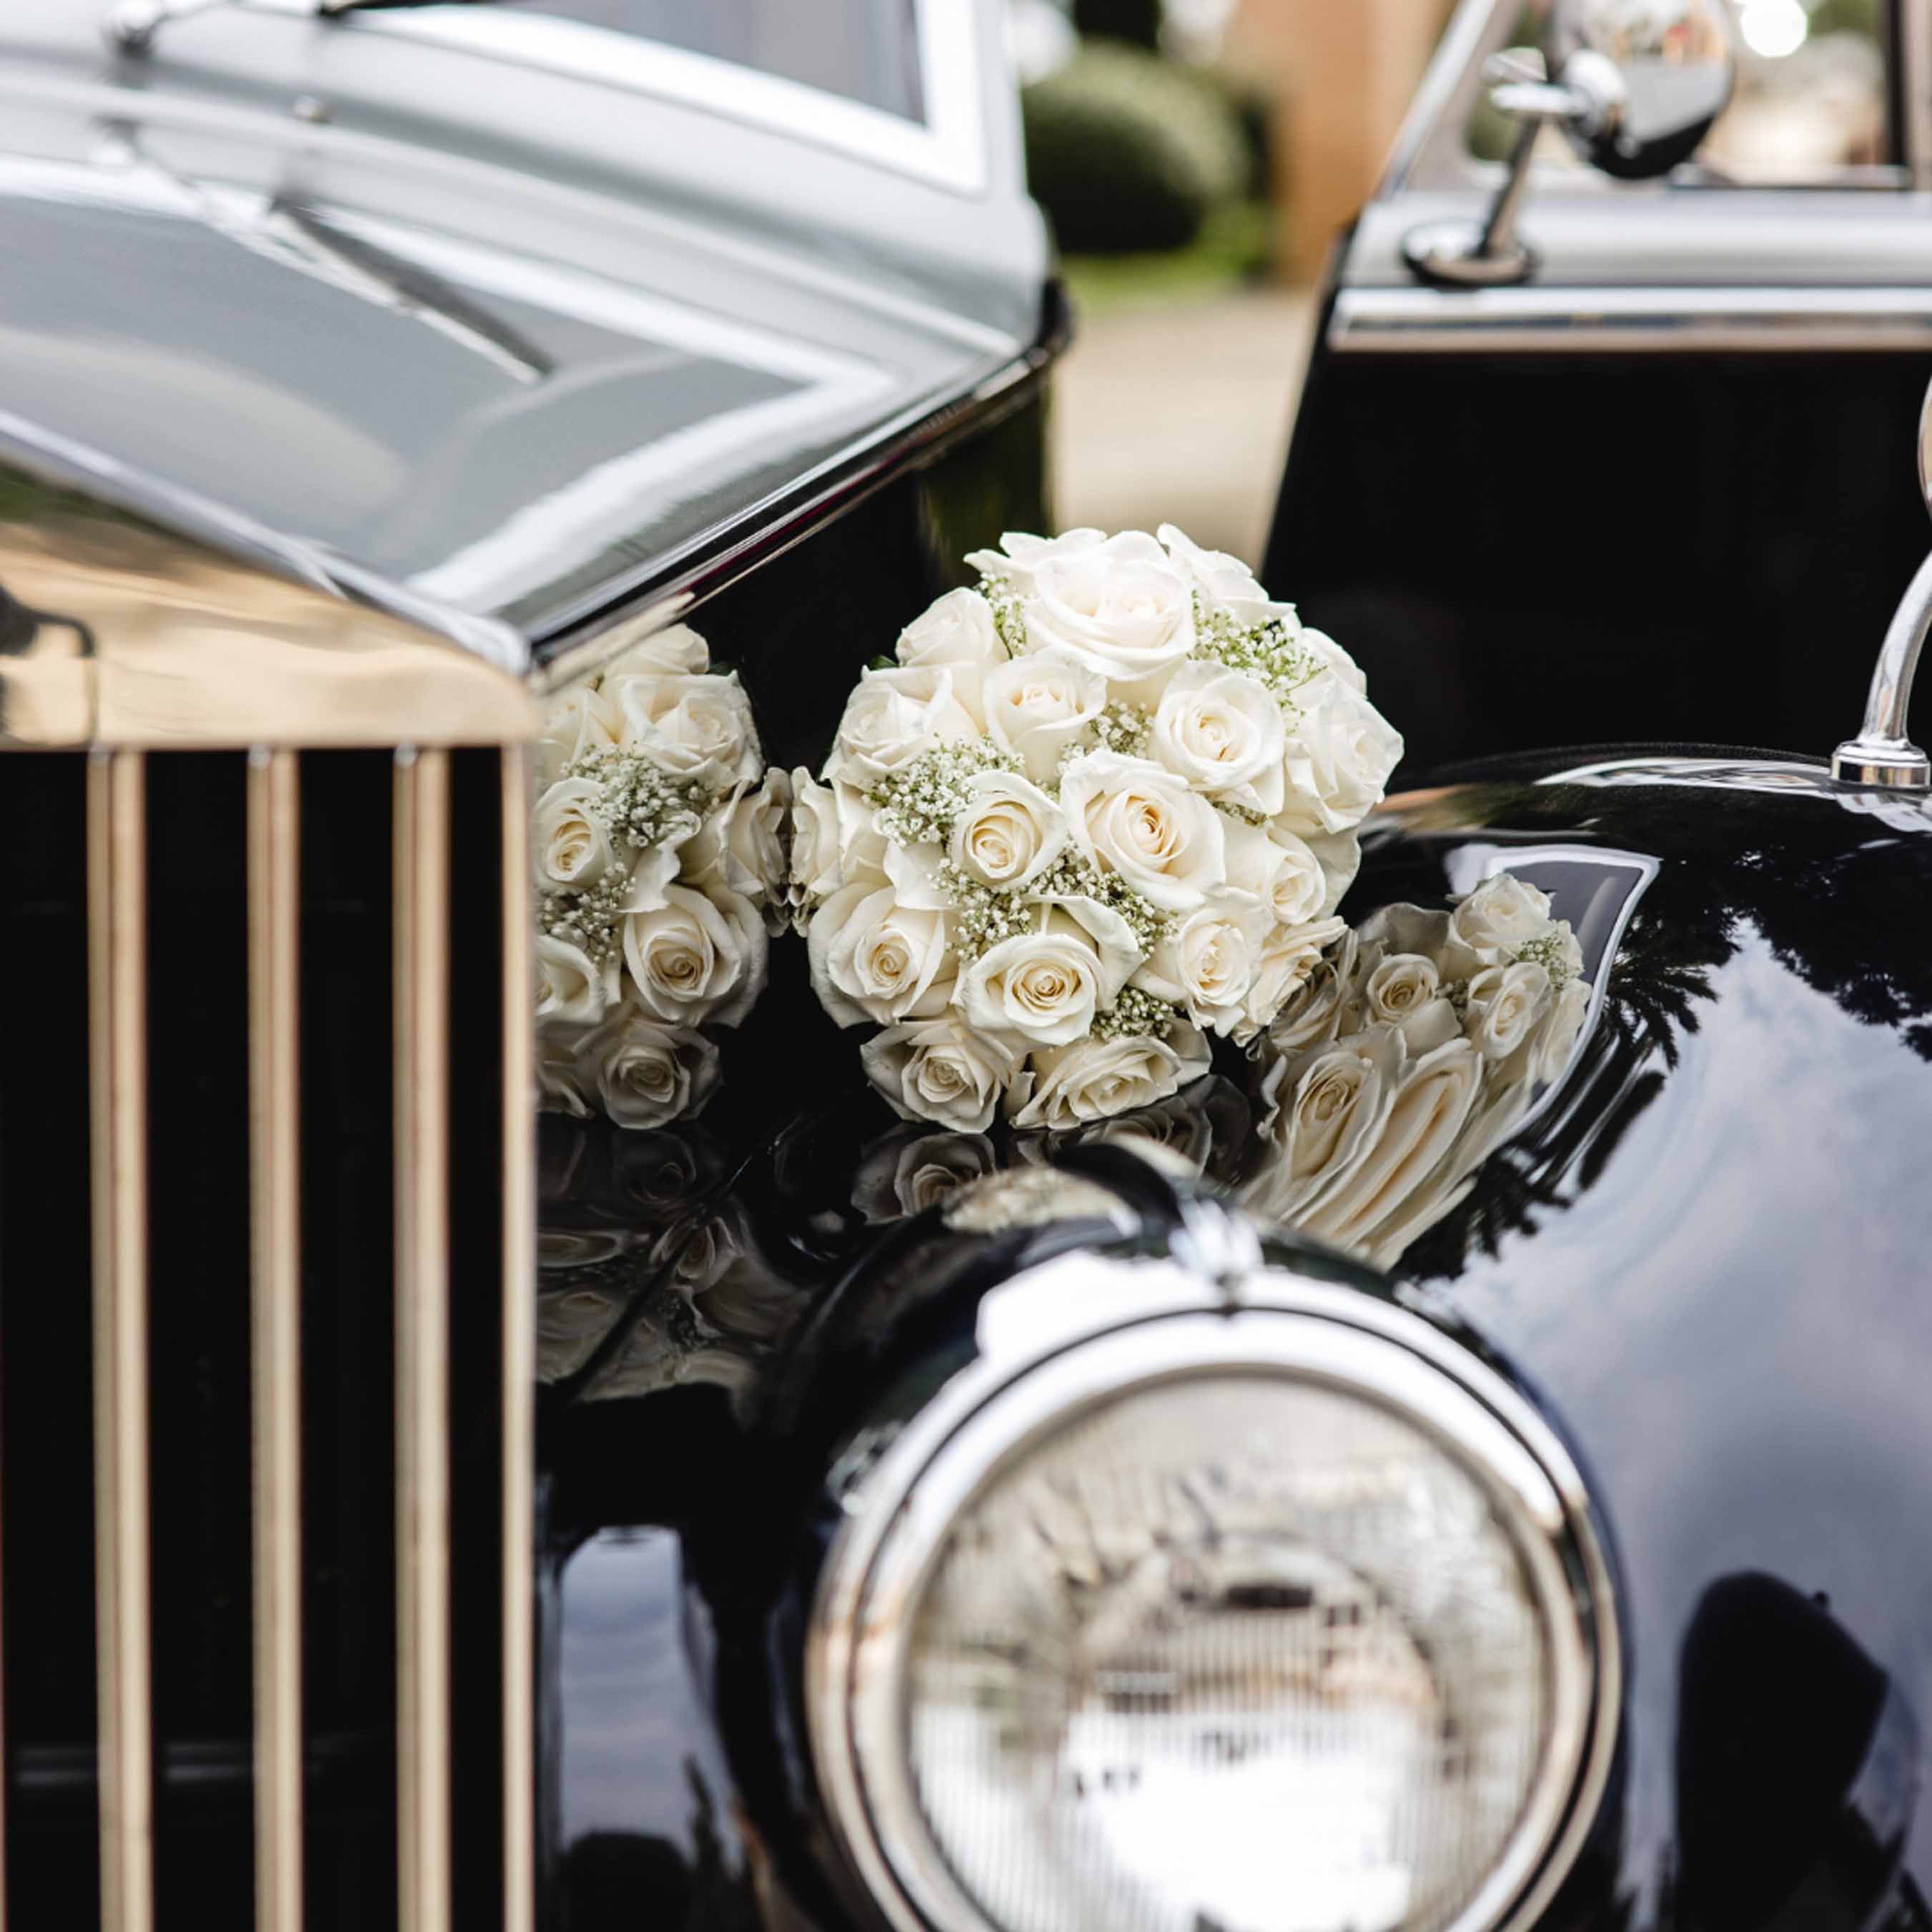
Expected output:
(1506, 1004)
(892, 717)
(1136, 818)
(1043, 988)
(1037, 705)
(741, 845)
(1401, 984)
(1331, 1102)
(1013, 563)
(1008, 832)
(1120, 608)
(698, 728)
(699, 956)
(1431, 1101)
(935, 1070)
(1223, 732)
(1314, 1011)
(648, 1074)
(907, 1171)
(582, 720)
(1284, 872)
(1329, 654)
(571, 848)
(957, 629)
(872, 959)
(564, 1084)
(814, 871)
(1225, 582)
(1560, 1025)
(1287, 958)
(1341, 750)
(1340, 855)
(1208, 964)
(677, 649)
(1501, 915)
(1095, 1079)
(571, 988)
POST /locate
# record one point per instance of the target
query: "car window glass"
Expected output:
(1811, 99)
(863, 50)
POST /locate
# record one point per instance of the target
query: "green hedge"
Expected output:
(1127, 151)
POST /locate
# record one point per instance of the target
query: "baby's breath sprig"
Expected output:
(1549, 952)
(983, 916)
(1135, 1014)
(1073, 875)
(917, 805)
(1121, 727)
(641, 801)
(1268, 651)
(1009, 623)
(592, 919)
(1246, 813)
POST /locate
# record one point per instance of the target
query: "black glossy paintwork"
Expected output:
(1534, 549)
(1705, 1257)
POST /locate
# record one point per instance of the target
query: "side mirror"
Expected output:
(1634, 84)
(1677, 63)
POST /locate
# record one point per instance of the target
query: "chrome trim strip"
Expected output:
(1571, 321)
(117, 971)
(519, 1349)
(422, 886)
(1448, 91)
(274, 1320)
(862, 1616)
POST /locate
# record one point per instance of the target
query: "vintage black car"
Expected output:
(417, 1512)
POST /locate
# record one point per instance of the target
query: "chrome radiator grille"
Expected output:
(265, 1545)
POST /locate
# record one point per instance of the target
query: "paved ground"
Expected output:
(1181, 414)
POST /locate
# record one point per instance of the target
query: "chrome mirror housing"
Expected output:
(1882, 755)
(1676, 62)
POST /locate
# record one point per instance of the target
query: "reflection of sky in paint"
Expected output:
(1755, 1417)
(633, 1718)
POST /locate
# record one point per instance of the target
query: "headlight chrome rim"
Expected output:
(900, 1512)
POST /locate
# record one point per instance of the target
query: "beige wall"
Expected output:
(1344, 72)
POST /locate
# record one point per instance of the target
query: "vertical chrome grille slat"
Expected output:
(519, 1368)
(117, 969)
(422, 1315)
(275, 1313)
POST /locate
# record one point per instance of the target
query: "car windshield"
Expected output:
(863, 50)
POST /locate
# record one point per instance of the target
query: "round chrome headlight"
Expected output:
(1265, 1621)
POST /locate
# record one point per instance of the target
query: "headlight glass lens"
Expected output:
(1236, 1651)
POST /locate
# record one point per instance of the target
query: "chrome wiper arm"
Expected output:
(131, 26)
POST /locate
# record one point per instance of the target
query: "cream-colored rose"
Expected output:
(1340, 856)
(957, 629)
(647, 1074)
(1330, 1103)
(1506, 1004)
(1287, 958)
(1224, 582)
(579, 721)
(1208, 964)
(1557, 1036)
(1138, 819)
(1341, 750)
(1223, 732)
(936, 1070)
(1400, 985)
(571, 847)
(699, 957)
(1331, 657)
(1095, 1079)
(1119, 607)
(571, 988)
(698, 728)
(564, 1083)
(1043, 988)
(1013, 563)
(1433, 1100)
(907, 1171)
(1502, 914)
(677, 649)
(1038, 705)
(1008, 832)
(814, 872)
(892, 717)
(1315, 1010)
(873, 959)
(741, 845)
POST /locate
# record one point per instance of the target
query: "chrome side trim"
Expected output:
(1156, 1320)
(117, 970)
(519, 1350)
(1572, 321)
(274, 1315)
(422, 1047)
(1448, 95)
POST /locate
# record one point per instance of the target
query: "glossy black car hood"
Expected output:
(469, 326)
(1702, 1253)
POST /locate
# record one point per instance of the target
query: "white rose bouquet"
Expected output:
(1409, 1053)
(659, 853)
(1100, 808)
